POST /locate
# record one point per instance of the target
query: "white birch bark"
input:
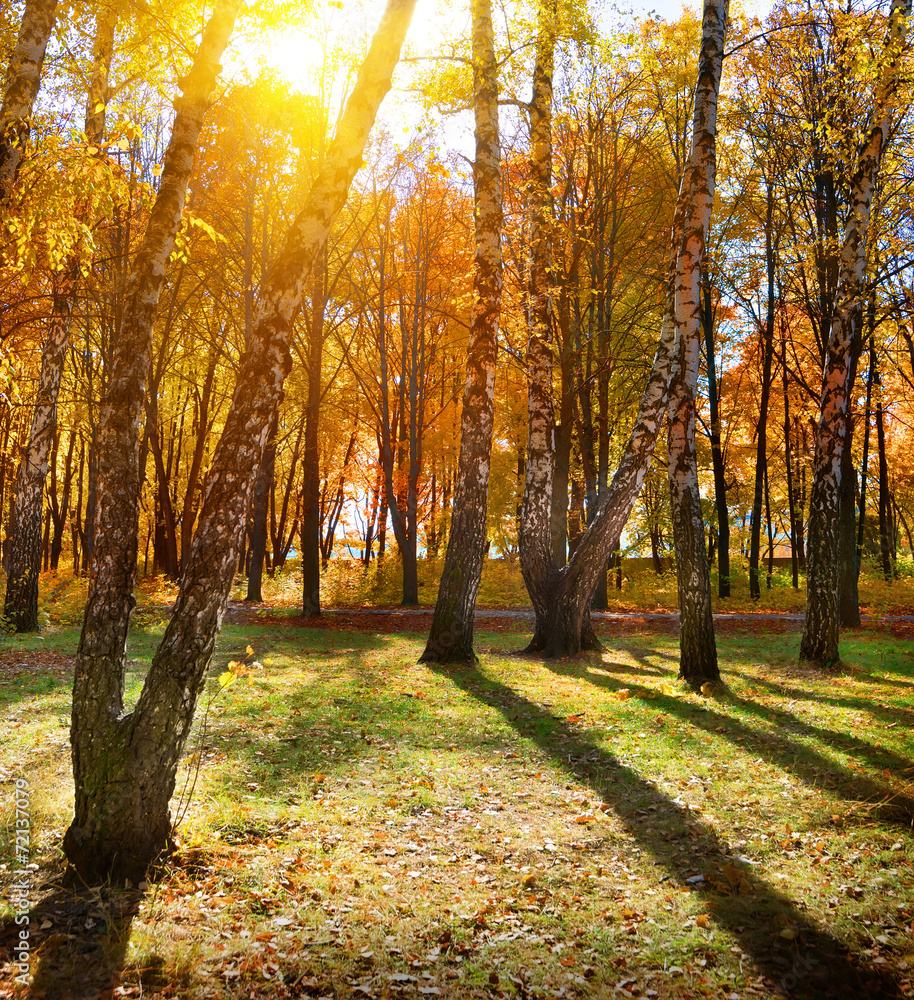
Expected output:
(819, 644)
(451, 634)
(122, 819)
(98, 689)
(698, 654)
(535, 543)
(23, 78)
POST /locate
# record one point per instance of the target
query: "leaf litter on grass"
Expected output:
(364, 826)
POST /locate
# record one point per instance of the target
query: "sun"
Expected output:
(312, 53)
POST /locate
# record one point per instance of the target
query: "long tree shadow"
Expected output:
(875, 756)
(813, 964)
(808, 765)
(78, 941)
(895, 713)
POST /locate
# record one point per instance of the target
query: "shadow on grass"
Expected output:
(814, 964)
(895, 713)
(875, 757)
(78, 941)
(808, 765)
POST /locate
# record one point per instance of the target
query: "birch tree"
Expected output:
(563, 625)
(697, 650)
(451, 635)
(819, 644)
(125, 763)
(21, 600)
(537, 558)
(23, 78)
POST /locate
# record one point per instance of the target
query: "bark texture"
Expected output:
(563, 625)
(23, 78)
(125, 764)
(698, 652)
(535, 542)
(451, 635)
(819, 645)
(101, 757)
(21, 600)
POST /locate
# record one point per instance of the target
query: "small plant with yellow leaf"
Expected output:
(234, 670)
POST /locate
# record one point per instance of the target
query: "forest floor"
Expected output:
(363, 826)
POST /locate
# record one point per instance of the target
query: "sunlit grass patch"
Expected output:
(361, 825)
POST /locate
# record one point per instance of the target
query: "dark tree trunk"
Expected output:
(848, 599)
(788, 461)
(311, 473)
(885, 533)
(260, 503)
(59, 510)
(770, 530)
(717, 454)
(865, 463)
(189, 508)
(761, 429)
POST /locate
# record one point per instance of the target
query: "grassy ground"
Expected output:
(362, 826)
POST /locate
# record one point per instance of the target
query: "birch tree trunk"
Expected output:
(21, 600)
(563, 622)
(451, 636)
(125, 764)
(819, 645)
(23, 78)
(698, 652)
(535, 542)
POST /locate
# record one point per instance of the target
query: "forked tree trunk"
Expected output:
(563, 626)
(125, 765)
(451, 636)
(819, 645)
(23, 78)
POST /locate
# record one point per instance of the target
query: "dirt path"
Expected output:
(418, 620)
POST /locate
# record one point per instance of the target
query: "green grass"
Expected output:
(365, 826)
